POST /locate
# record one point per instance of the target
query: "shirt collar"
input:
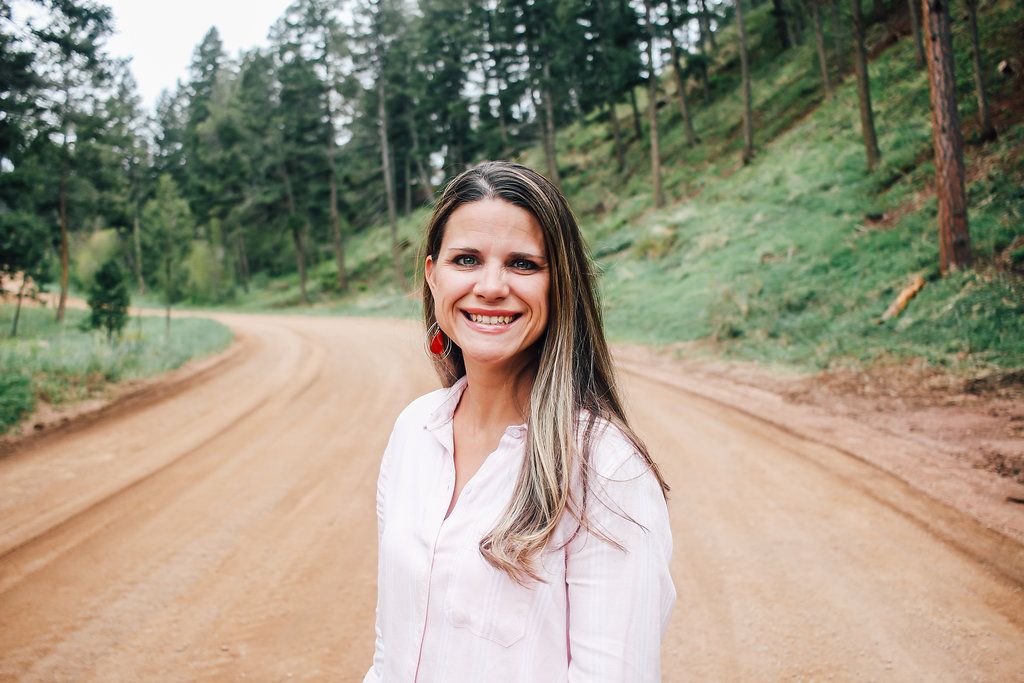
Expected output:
(445, 412)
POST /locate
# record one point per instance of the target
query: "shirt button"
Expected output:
(458, 619)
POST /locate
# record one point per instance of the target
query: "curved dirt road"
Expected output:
(228, 532)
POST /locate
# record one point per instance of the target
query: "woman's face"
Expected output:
(490, 282)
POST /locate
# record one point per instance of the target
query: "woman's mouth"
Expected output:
(491, 320)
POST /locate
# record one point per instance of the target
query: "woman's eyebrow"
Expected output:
(465, 250)
(524, 255)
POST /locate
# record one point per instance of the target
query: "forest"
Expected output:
(309, 160)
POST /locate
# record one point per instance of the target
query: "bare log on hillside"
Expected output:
(908, 293)
(954, 238)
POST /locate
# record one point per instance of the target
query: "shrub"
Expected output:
(16, 399)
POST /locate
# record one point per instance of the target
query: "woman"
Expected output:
(523, 529)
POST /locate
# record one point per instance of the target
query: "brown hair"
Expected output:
(574, 380)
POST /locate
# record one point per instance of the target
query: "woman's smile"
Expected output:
(491, 321)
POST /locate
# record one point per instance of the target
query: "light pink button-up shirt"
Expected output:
(444, 614)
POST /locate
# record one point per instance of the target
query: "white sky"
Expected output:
(160, 36)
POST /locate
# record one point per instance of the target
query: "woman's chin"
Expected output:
(478, 357)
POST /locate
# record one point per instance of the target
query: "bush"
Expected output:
(16, 399)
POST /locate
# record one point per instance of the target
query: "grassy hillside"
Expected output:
(793, 259)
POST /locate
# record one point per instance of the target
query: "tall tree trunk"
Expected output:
(860, 63)
(915, 30)
(167, 295)
(702, 71)
(17, 309)
(137, 244)
(652, 112)
(677, 73)
(332, 179)
(748, 126)
(782, 29)
(336, 233)
(988, 131)
(421, 171)
(610, 92)
(819, 44)
(389, 184)
(837, 38)
(637, 128)
(408, 185)
(620, 155)
(549, 129)
(707, 23)
(243, 262)
(64, 255)
(954, 238)
(300, 259)
(295, 227)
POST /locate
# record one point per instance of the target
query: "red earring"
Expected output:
(437, 344)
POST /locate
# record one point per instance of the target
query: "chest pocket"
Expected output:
(486, 601)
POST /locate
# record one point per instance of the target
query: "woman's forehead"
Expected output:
(492, 222)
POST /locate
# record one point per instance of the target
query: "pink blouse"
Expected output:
(444, 614)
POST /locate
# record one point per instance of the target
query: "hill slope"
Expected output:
(793, 259)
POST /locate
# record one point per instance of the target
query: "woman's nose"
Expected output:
(491, 283)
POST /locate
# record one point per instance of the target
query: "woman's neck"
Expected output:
(495, 398)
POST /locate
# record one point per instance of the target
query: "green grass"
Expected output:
(784, 261)
(62, 363)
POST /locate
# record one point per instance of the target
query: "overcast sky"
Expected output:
(160, 36)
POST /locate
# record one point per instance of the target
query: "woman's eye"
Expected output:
(523, 264)
(464, 260)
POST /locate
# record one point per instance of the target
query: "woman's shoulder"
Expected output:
(611, 451)
(420, 410)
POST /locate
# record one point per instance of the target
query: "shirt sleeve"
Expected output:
(374, 674)
(620, 599)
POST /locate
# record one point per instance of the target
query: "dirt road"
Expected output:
(228, 532)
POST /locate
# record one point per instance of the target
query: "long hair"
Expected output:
(574, 384)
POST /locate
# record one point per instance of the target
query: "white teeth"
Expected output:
(491, 319)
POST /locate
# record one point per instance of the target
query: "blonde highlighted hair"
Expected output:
(574, 385)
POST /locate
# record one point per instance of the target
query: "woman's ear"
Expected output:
(428, 272)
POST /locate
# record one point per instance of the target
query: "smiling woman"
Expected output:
(523, 528)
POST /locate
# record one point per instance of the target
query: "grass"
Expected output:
(793, 259)
(62, 363)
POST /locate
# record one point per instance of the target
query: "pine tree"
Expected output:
(867, 114)
(748, 126)
(109, 299)
(988, 130)
(819, 46)
(167, 222)
(652, 108)
(915, 30)
(72, 63)
(679, 77)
